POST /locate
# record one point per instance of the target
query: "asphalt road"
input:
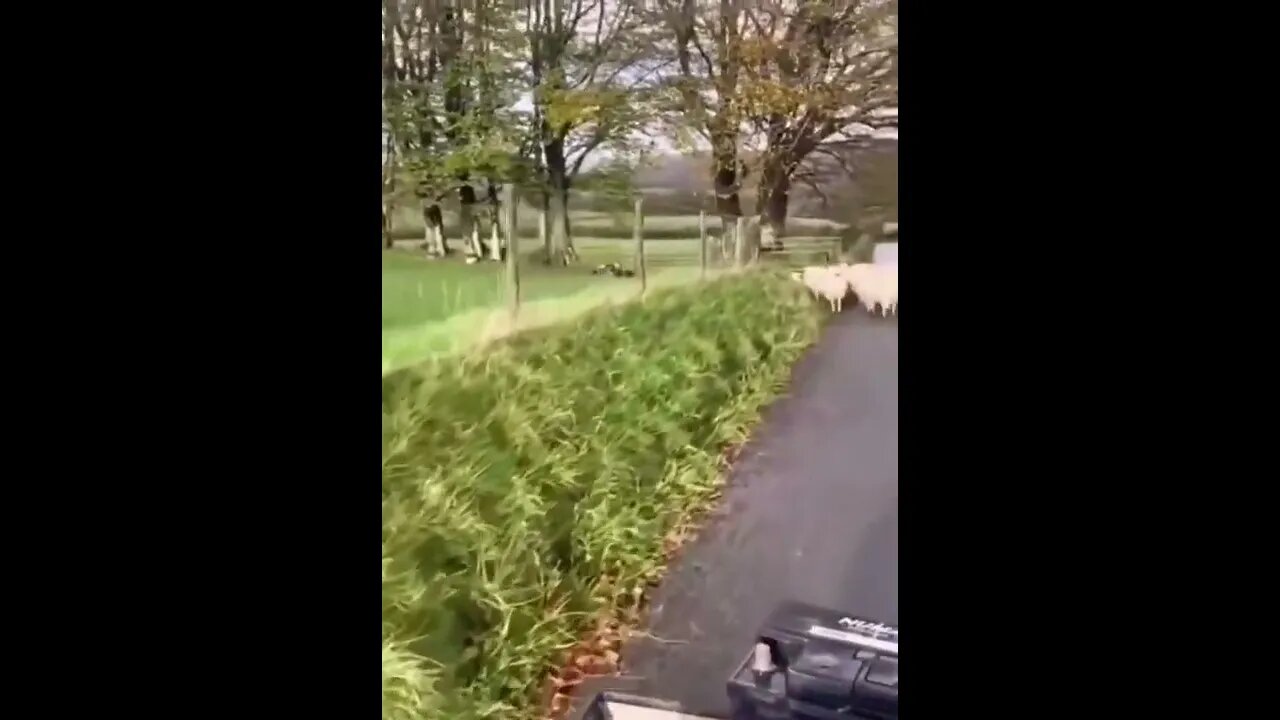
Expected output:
(811, 514)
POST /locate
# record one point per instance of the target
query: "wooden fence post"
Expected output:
(512, 234)
(702, 243)
(740, 244)
(544, 237)
(637, 232)
(757, 237)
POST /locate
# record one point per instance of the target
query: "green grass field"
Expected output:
(416, 290)
(436, 307)
(441, 307)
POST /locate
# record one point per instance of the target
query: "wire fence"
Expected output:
(444, 306)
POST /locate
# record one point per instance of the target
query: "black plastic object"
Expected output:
(824, 666)
(610, 705)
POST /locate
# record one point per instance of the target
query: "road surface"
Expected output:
(811, 514)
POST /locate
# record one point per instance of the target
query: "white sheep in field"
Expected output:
(826, 283)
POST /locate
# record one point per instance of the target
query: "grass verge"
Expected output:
(529, 489)
(460, 333)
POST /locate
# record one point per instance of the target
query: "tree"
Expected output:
(586, 71)
(412, 89)
(446, 82)
(390, 19)
(486, 132)
(813, 71)
(707, 46)
(765, 83)
(856, 181)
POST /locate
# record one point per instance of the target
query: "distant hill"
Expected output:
(675, 182)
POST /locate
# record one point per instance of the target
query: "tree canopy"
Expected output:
(491, 92)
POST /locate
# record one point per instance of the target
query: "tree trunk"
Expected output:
(728, 203)
(725, 179)
(544, 226)
(467, 224)
(495, 223)
(428, 239)
(561, 251)
(390, 18)
(570, 251)
(428, 230)
(433, 227)
(557, 213)
(511, 224)
(491, 217)
(771, 205)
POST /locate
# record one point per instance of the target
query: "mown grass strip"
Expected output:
(462, 333)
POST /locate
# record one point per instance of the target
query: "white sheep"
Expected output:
(858, 278)
(878, 286)
(873, 284)
(891, 287)
(811, 278)
(824, 282)
(854, 274)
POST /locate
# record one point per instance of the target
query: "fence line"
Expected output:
(743, 244)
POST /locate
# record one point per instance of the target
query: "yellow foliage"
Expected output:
(768, 97)
(567, 109)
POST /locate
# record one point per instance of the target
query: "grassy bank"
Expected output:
(530, 488)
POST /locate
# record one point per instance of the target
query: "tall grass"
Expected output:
(529, 488)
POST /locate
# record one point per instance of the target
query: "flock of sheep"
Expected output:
(874, 285)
